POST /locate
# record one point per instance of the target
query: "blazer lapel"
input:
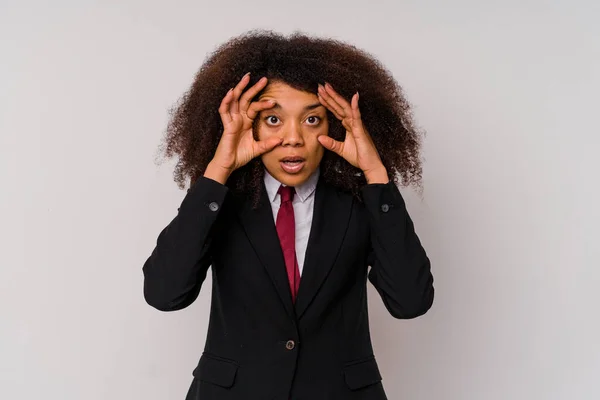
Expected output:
(260, 229)
(330, 220)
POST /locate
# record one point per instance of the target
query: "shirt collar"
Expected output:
(303, 191)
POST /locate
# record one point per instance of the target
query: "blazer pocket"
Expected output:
(216, 370)
(361, 373)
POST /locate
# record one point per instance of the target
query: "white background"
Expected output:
(506, 90)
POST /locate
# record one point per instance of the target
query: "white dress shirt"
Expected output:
(303, 203)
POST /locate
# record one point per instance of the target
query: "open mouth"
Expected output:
(292, 165)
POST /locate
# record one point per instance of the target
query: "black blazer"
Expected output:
(262, 346)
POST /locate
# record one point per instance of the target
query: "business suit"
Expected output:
(261, 345)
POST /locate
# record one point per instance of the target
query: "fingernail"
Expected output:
(247, 74)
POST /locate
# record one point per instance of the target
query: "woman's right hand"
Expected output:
(237, 145)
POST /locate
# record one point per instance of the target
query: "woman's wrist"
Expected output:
(217, 173)
(379, 175)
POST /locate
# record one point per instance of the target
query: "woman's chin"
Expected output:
(293, 178)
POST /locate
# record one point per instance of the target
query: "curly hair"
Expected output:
(302, 62)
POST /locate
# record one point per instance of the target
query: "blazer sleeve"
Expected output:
(177, 267)
(400, 268)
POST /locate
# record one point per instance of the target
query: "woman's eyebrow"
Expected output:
(313, 106)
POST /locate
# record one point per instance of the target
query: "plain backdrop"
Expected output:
(507, 92)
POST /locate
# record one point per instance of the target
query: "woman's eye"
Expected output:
(270, 119)
(273, 120)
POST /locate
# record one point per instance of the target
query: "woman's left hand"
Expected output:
(358, 147)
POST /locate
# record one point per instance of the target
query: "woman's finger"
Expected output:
(331, 103)
(224, 108)
(234, 107)
(355, 110)
(356, 116)
(263, 146)
(258, 106)
(330, 108)
(250, 93)
(345, 122)
(339, 100)
(331, 144)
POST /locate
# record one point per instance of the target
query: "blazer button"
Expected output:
(385, 207)
(213, 206)
(290, 344)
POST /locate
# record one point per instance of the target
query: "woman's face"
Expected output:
(298, 118)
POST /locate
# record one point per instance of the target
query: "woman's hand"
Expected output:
(237, 145)
(358, 147)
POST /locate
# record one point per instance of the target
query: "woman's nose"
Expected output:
(292, 136)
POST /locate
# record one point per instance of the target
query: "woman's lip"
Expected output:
(292, 168)
(292, 159)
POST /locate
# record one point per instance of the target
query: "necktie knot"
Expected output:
(286, 193)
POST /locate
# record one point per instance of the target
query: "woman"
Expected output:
(293, 198)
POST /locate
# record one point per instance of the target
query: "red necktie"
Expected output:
(286, 230)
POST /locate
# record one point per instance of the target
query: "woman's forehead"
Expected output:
(287, 97)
